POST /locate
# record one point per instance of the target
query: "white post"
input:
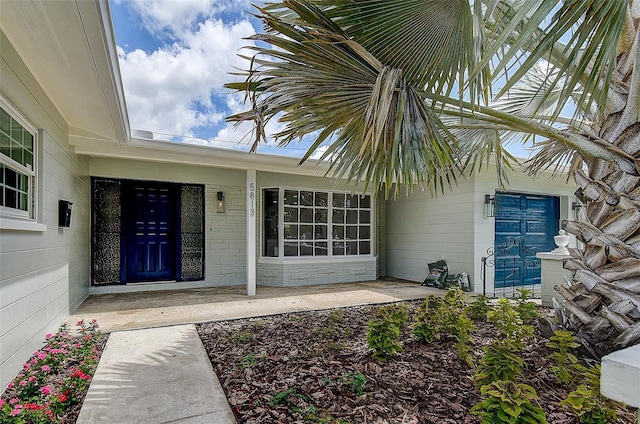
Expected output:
(251, 232)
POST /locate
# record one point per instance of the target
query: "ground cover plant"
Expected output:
(54, 381)
(392, 364)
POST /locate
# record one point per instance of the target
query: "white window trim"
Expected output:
(14, 219)
(312, 259)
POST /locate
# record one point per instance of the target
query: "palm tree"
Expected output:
(401, 93)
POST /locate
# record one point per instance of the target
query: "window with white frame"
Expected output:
(306, 223)
(17, 164)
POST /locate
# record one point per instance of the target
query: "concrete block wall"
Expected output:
(307, 272)
(225, 237)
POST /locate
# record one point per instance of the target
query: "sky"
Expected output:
(175, 56)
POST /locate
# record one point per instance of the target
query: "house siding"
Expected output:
(452, 226)
(44, 275)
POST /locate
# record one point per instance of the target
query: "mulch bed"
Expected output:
(303, 367)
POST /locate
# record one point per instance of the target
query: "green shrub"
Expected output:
(509, 324)
(383, 338)
(586, 401)
(241, 337)
(499, 362)
(428, 320)
(436, 317)
(509, 402)
(335, 316)
(250, 361)
(563, 343)
(284, 397)
(397, 313)
(527, 310)
(479, 308)
(356, 382)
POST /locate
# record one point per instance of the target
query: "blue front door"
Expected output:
(524, 225)
(149, 211)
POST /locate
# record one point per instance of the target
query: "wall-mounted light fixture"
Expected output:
(576, 207)
(489, 205)
(220, 206)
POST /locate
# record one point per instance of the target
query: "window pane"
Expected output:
(321, 249)
(5, 144)
(306, 232)
(338, 248)
(365, 247)
(15, 143)
(28, 159)
(338, 216)
(306, 215)
(352, 217)
(10, 178)
(16, 151)
(321, 216)
(290, 214)
(306, 249)
(352, 201)
(338, 200)
(352, 232)
(290, 231)
(338, 232)
(290, 197)
(23, 202)
(365, 202)
(306, 198)
(5, 121)
(320, 232)
(365, 232)
(270, 201)
(352, 248)
(322, 199)
(365, 217)
(290, 248)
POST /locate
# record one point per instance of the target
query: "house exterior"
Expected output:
(90, 206)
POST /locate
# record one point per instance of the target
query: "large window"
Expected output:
(17, 164)
(302, 223)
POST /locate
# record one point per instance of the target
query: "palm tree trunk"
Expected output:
(603, 303)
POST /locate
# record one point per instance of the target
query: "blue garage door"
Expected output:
(525, 225)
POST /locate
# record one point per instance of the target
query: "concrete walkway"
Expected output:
(154, 368)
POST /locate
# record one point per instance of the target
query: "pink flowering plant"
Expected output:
(55, 379)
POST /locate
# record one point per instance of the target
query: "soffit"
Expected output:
(69, 48)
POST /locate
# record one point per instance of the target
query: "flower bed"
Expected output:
(52, 384)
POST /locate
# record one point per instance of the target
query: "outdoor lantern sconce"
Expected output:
(576, 206)
(220, 208)
(489, 205)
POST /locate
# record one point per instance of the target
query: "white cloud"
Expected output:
(179, 87)
(179, 16)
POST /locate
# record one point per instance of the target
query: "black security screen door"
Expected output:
(149, 211)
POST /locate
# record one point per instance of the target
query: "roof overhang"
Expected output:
(69, 47)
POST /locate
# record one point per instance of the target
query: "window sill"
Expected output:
(17, 224)
(316, 259)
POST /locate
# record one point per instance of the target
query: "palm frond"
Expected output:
(316, 79)
(579, 39)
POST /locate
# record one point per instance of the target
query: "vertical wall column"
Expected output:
(251, 232)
